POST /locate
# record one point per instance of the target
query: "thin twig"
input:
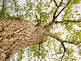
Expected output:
(72, 42)
(39, 51)
(60, 3)
(63, 51)
(67, 21)
(55, 3)
(62, 43)
(62, 56)
(37, 20)
(54, 15)
(63, 8)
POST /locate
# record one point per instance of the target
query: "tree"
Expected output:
(44, 16)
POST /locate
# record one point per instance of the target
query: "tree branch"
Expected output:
(54, 15)
(39, 51)
(60, 3)
(62, 43)
(62, 56)
(63, 8)
(56, 3)
(67, 21)
(37, 20)
(72, 42)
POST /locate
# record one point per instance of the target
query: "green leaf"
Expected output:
(70, 25)
(20, 55)
(69, 51)
(76, 1)
(68, 11)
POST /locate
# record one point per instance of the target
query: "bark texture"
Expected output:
(17, 34)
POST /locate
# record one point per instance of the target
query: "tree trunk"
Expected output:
(16, 35)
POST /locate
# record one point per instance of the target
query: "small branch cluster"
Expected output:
(63, 44)
(58, 6)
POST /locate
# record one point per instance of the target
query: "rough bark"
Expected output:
(16, 35)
